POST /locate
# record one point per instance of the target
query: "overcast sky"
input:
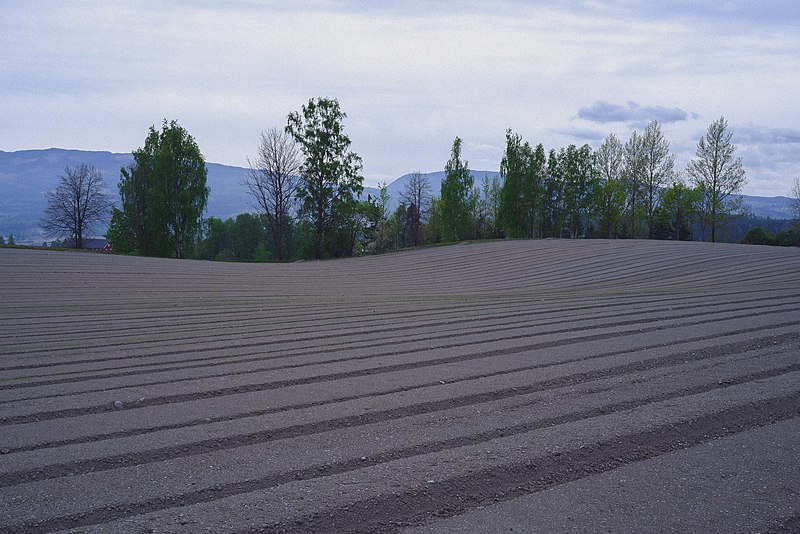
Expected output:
(411, 76)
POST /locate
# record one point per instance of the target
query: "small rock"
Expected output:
(117, 405)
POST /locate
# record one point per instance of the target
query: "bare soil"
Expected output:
(523, 386)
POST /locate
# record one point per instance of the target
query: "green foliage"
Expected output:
(241, 239)
(580, 182)
(433, 230)
(789, 237)
(551, 212)
(521, 195)
(678, 211)
(120, 234)
(370, 219)
(610, 199)
(756, 236)
(2, 240)
(11, 240)
(658, 169)
(330, 179)
(455, 207)
(163, 193)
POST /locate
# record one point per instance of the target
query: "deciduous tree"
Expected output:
(658, 169)
(676, 213)
(609, 162)
(719, 174)
(163, 193)
(454, 203)
(417, 197)
(576, 171)
(273, 180)
(514, 214)
(796, 199)
(633, 175)
(330, 179)
(77, 204)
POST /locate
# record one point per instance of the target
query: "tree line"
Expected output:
(306, 187)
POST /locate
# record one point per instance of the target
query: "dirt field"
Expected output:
(523, 386)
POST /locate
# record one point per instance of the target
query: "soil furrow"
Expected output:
(149, 368)
(369, 371)
(454, 496)
(449, 498)
(274, 434)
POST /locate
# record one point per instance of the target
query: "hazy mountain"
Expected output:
(25, 175)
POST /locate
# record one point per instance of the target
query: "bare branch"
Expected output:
(78, 202)
(273, 182)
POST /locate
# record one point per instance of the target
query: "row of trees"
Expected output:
(619, 190)
(306, 186)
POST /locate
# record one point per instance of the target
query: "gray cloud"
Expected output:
(763, 134)
(633, 114)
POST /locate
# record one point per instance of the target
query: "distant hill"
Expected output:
(25, 175)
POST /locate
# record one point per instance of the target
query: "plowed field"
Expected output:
(525, 386)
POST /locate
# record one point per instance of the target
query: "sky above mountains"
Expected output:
(411, 77)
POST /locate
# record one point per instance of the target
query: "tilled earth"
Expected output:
(520, 386)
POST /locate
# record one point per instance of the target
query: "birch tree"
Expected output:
(633, 174)
(609, 162)
(718, 173)
(658, 169)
